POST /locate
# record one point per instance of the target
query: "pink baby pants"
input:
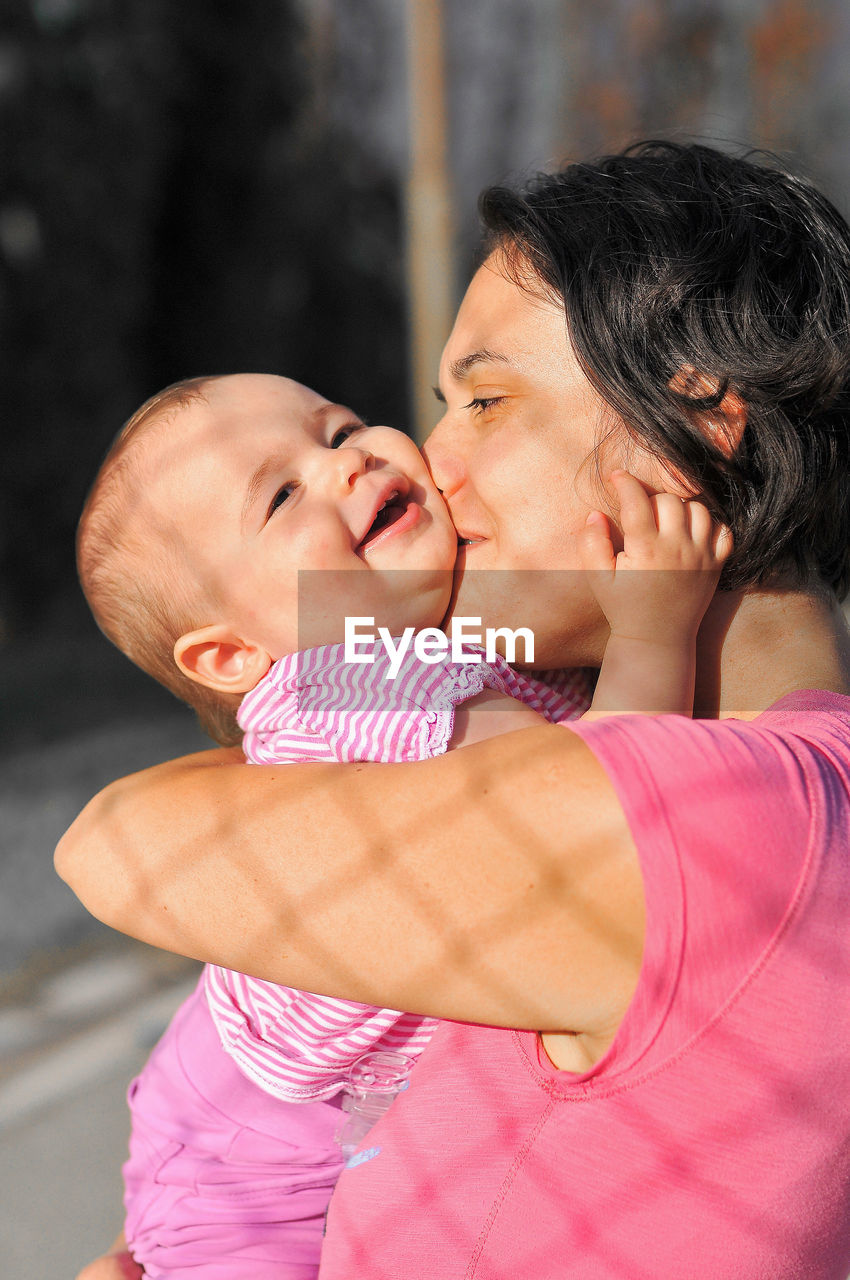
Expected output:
(224, 1182)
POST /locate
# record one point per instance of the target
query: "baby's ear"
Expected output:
(216, 657)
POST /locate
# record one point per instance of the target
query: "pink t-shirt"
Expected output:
(713, 1139)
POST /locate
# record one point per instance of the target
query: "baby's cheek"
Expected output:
(442, 517)
(449, 555)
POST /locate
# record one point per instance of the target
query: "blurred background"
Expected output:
(287, 186)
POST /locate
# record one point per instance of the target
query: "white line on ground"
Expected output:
(85, 1059)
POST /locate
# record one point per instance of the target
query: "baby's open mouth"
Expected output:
(391, 510)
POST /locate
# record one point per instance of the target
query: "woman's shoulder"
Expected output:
(812, 715)
(713, 792)
(813, 725)
(799, 705)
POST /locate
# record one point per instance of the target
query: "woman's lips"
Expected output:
(409, 517)
(466, 551)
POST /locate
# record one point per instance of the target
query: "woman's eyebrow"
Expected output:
(460, 368)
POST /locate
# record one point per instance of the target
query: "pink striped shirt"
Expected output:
(313, 705)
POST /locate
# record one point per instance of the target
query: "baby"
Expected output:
(216, 497)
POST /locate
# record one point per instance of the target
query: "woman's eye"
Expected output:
(283, 495)
(480, 404)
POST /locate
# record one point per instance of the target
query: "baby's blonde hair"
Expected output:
(135, 583)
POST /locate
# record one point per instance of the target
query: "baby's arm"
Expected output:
(489, 714)
(654, 594)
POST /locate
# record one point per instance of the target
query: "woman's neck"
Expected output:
(756, 646)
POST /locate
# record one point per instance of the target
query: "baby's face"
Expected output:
(266, 479)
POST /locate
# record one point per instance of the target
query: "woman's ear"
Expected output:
(216, 657)
(724, 425)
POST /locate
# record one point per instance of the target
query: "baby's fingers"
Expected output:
(596, 550)
(637, 517)
(708, 534)
(671, 516)
(723, 542)
(701, 523)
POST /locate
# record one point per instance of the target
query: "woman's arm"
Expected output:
(497, 884)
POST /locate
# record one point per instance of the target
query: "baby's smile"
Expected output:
(392, 506)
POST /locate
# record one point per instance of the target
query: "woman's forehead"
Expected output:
(500, 317)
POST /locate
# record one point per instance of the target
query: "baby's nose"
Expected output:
(351, 462)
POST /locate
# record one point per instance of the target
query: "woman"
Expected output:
(658, 905)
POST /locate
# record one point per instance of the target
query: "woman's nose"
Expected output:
(444, 460)
(349, 463)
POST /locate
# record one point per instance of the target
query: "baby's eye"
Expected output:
(283, 495)
(340, 437)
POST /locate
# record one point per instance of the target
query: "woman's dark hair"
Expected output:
(670, 257)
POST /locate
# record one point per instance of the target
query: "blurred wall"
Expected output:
(533, 83)
(197, 186)
(168, 207)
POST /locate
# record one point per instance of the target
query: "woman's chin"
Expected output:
(568, 627)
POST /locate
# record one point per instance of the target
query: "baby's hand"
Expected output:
(660, 585)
